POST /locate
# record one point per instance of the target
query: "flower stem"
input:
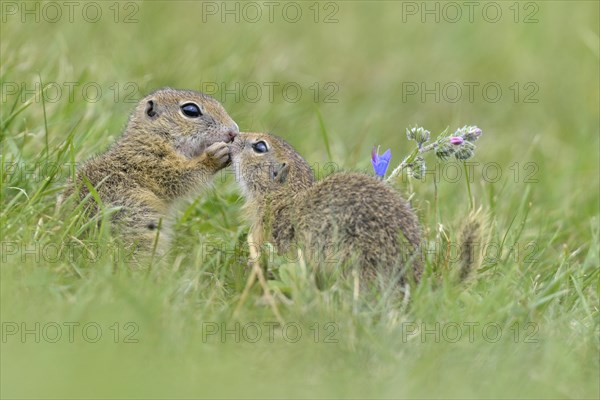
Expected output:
(410, 158)
(402, 165)
(468, 185)
(429, 147)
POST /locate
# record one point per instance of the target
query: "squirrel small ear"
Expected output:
(151, 109)
(280, 172)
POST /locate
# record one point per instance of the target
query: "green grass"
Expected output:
(543, 293)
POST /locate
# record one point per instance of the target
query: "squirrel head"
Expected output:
(266, 163)
(190, 121)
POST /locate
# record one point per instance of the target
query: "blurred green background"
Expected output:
(343, 75)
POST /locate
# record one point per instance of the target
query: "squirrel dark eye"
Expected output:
(191, 110)
(260, 147)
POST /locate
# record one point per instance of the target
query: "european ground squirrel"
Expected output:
(345, 215)
(174, 142)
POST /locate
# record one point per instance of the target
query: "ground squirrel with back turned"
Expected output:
(175, 140)
(354, 214)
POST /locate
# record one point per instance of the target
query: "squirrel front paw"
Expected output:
(217, 156)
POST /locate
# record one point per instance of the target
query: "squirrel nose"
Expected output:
(233, 131)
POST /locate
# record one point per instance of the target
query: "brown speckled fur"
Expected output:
(159, 158)
(345, 215)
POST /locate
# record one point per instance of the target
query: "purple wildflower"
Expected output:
(472, 133)
(456, 140)
(380, 162)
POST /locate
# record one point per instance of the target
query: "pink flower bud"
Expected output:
(456, 140)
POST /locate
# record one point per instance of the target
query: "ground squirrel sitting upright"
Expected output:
(174, 142)
(354, 214)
